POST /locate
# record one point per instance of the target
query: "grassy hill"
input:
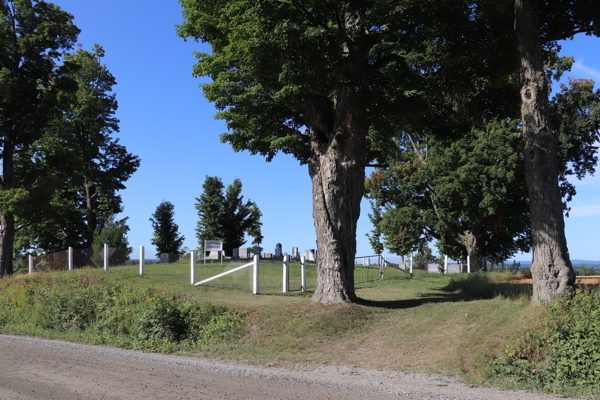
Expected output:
(424, 323)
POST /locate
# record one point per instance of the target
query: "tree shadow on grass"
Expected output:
(480, 286)
(410, 303)
(470, 287)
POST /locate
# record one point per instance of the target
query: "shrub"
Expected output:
(567, 353)
(115, 314)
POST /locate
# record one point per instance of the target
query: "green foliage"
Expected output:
(575, 116)
(225, 216)
(582, 270)
(114, 234)
(375, 236)
(89, 163)
(161, 319)
(452, 189)
(166, 237)
(564, 356)
(33, 37)
(116, 314)
(423, 257)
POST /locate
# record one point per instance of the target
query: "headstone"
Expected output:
(243, 252)
(312, 255)
(295, 253)
(214, 255)
(164, 258)
(306, 254)
(278, 250)
(235, 253)
(269, 255)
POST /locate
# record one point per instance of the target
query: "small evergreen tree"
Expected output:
(114, 234)
(166, 237)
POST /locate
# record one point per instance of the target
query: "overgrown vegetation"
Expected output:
(565, 356)
(108, 313)
(479, 328)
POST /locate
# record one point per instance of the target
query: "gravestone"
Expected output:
(243, 252)
(278, 250)
(295, 253)
(306, 254)
(168, 258)
(312, 255)
(214, 255)
(235, 253)
(269, 255)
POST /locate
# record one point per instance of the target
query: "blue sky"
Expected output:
(166, 121)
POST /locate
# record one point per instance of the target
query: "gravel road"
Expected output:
(46, 369)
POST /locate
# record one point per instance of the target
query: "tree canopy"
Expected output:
(312, 79)
(87, 163)
(223, 215)
(34, 35)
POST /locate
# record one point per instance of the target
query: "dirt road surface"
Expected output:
(37, 369)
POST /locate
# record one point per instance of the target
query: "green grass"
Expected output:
(423, 323)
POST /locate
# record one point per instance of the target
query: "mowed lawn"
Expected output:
(401, 323)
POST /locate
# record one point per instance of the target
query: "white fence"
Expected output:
(75, 258)
(255, 264)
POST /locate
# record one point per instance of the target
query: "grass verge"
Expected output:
(427, 323)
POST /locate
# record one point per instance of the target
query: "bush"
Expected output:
(566, 355)
(115, 314)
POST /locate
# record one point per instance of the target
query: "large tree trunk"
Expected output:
(337, 170)
(7, 220)
(473, 245)
(551, 269)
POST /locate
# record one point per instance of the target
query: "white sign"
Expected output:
(213, 245)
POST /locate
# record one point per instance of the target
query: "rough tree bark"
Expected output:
(551, 269)
(337, 167)
(473, 245)
(7, 220)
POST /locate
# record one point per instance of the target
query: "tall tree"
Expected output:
(467, 193)
(225, 216)
(80, 147)
(537, 24)
(334, 68)
(166, 237)
(33, 37)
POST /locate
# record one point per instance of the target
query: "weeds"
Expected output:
(114, 314)
(565, 356)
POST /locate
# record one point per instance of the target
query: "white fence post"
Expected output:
(256, 275)
(445, 264)
(468, 264)
(141, 260)
(193, 267)
(105, 257)
(381, 268)
(70, 259)
(411, 262)
(30, 264)
(286, 275)
(302, 274)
